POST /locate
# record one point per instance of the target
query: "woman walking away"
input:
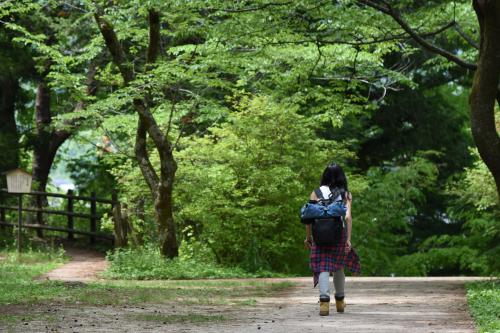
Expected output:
(335, 253)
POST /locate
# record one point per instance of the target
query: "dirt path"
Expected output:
(408, 305)
(374, 305)
(83, 266)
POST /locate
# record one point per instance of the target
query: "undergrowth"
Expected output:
(148, 264)
(484, 304)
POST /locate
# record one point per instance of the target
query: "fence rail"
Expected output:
(40, 224)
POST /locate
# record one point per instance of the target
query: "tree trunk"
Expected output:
(485, 87)
(140, 213)
(9, 137)
(161, 187)
(48, 140)
(41, 159)
(121, 226)
(164, 206)
(46, 145)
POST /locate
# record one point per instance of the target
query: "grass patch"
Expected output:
(18, 270)
(484, 304)
(148, 264)
(179, 318)
(18, 287)
(139, 292)
(125, 293)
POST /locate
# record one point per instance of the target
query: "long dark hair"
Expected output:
(334, 177)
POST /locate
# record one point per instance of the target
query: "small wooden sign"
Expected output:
(18, 181)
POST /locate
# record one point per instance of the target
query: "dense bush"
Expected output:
(240, 186)
(384, 203)
(476, 249)
(148, 264)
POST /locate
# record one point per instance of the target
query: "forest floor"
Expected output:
(81, 304)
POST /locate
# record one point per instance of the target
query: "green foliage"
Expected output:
(18, 270)
(476, 248)
(148, 264)
(438, 261)
(18, 287)
(242, 184)
(476, 203)
(478, 186)
(484, 304)
(474, 251)
(384, 204)
(257, 98)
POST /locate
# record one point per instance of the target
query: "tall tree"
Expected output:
(45, 27)
(485, 89)
(448, 25)
(160, 185)
(48, 137)
(210, 54)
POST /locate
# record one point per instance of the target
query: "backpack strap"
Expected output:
(318, 193)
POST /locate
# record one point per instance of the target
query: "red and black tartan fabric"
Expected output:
(333, 258)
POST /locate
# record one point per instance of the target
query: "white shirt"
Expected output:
(325, 190)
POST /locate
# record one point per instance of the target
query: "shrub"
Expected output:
(148, 264)
(484, 304)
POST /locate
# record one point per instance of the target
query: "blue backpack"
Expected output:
(326, 216)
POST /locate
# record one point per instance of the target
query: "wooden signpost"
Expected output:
(18, 181)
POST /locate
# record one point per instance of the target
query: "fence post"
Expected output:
(39, 216)
(19, 221)
(93, 215)
(69, 210)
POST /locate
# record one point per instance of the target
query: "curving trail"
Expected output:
(84, 266)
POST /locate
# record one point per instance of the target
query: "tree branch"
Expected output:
(154, 36)
(255, 8)
(114, 47)
(150, 123)
(119, 59)
(373, 40)
(142, 157)
(467, 38)
(146, 123)
(416, 37)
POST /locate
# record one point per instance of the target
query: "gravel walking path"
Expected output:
(374, 305)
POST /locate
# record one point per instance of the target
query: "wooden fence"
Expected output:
(70, 214)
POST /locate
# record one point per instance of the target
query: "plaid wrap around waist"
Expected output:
(333, 258)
